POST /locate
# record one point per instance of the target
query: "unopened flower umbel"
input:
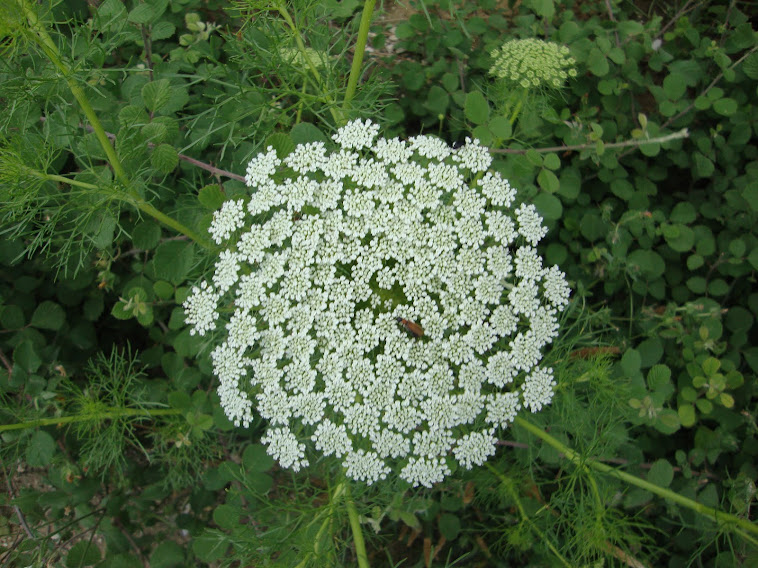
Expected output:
(532, 63)
(328, 262)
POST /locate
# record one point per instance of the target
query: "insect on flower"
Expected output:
(414, 328)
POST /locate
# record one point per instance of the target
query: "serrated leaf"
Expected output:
(162, 30)
(146, 235)
(173, 261)
(40, 449)
(282, 143)
(141, 14)
(211, 197)
(48, 315)
(164, 158)
(83, 553)
(156, 94)
(256, 459)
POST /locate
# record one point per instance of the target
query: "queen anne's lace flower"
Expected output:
(531, 63)
(386, 305)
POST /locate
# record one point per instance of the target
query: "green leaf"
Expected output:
(164, 158)
(156, 94)
(162, 30)
(83, 553)
(658, 376)
(305, 132)
(679, 237)
(226, 516)
(40, 449)
(674, 86)
(256, 459)
(646, 263)
(548, 205)
(437, 100)
(725, 106)
(476, 108)
(211, 197)
(12, 316)
(622, 189)
(163, 289)
(146, 235)
(631, 363)
(683, 212)
(25, 356)
(552, 161)
(173, 261)
(168, 554)
(501, 127)
(142, 14)
(210, 546)
(750, 66)
(548, 181)
(597, 63)
(48, 315)
(697, 284)
(543, 8)
(450, 526)
(661, 473)
(282, 143)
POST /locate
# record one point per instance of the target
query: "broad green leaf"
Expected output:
(211, 197)
(661, 473)
(146, 235)
(25, 356)
(543, 8)
(173, 261)
(477, 109)
(450, 526)
(674, 86)
(156, 94)
(40, 449)
(501, 127)
(725, 106)
(597, 63)
(548, 205)
(164, 158)
(282, 143)
(548, 181)
(256, 459)
(48, 315)
(646, 263)
(84, 553)
(162, 30)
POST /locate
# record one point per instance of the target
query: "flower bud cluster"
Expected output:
(382, 303)
(532, 63)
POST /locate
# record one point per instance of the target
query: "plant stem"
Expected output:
(360, 48)
(106, 415)
(355, 526)
(337, 115)
(717, 515)
(508, 484)
(683, 133)
(47, 45)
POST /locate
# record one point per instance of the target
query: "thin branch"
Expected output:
(683, 133)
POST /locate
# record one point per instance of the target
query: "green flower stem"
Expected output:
(508, 484)
(355, 525)
(108, 414)
(360, 48)
(721, 517)
(47, 45)
(337, 115)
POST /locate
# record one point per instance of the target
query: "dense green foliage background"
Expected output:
(131, 459)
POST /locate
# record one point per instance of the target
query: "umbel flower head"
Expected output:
(532, 63)
(383, 302)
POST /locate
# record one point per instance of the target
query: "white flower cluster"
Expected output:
(386, 305)
(531, 63)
